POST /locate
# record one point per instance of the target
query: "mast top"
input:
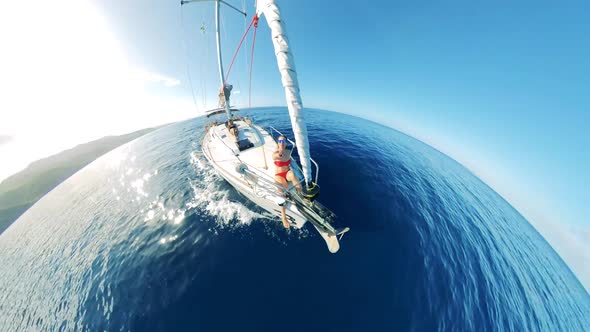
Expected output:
(225, 91)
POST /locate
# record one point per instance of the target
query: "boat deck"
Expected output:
(253, 150)
(258, 157)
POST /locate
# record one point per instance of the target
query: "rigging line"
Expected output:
(222, 28)
(232, 7)
(188, 74)
(245, 24)
(252, 62)
(204, 63)
(239, 45)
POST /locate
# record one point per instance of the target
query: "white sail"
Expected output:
(289, 79)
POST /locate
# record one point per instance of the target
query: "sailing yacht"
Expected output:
(241, 151)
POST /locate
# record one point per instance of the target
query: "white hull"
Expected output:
(222, 152)
(246, 162)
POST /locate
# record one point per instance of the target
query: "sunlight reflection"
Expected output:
(169, 239)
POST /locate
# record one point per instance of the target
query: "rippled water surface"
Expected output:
(148, 238)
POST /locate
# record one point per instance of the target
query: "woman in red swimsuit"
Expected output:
(283, 173)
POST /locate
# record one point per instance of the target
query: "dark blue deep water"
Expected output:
(148, 238)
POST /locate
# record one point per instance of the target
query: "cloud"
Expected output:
(5, 139)
(158, 78)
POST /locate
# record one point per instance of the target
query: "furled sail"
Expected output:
(289, 79)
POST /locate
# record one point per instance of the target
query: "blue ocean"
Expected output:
(149, 238)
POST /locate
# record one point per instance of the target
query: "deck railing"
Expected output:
(317, 167)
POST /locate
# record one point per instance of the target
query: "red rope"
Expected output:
(254, 19)
(251, 62)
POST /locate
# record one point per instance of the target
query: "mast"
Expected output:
(286, 66)
(226, 89)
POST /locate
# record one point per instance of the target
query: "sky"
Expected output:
(503, 87)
